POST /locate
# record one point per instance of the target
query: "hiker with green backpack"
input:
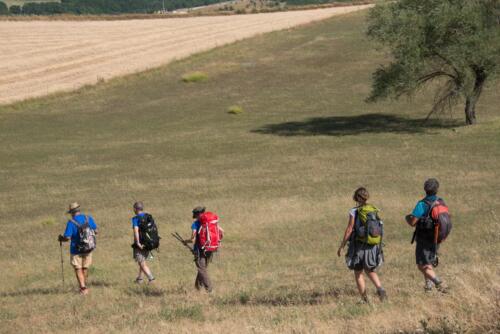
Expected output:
(432, 223)
(81, 230)
(364, 234)
(146, 239)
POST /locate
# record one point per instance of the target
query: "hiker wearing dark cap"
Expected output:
(141, 249)
(203, 253)
(81, 230)
(364, 233)
(426, 252)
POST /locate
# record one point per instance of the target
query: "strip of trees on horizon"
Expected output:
(97, 7)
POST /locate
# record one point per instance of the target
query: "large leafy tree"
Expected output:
(454, 45)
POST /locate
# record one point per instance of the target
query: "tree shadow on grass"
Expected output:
(354, 125)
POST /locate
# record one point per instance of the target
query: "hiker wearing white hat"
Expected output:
(81, 230)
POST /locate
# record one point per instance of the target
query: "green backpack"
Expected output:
(369, 228)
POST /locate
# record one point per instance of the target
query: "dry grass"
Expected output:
(281, 179)
(39, 58)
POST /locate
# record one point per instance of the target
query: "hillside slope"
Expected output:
(280, 175)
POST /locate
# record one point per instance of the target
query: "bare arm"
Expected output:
(193, 237)
(411, 220)
(136, 237)
(347, 234)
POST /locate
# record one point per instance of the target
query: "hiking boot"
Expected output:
(138, 280)
(364, 299)
(382, 295)
(84, 291)
(428, 286)
(441, 287)
(151, 280)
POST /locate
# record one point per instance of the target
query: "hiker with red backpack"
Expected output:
(146, 239)
(364, 232)
(81, 230)
(206, 235)
(432, 223)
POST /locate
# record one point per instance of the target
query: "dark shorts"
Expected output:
(361, 256)
(425, 252)
(141, 255)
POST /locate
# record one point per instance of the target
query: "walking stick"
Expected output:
(62, 263)
(181, 240)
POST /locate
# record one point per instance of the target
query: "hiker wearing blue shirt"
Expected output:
(81, 230)
(202, 258)
(201, 262)
(140, 254)
(426, 251)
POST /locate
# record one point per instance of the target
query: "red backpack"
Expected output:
(440, 216)
(209, 234)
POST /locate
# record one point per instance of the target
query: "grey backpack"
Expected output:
(87, 242)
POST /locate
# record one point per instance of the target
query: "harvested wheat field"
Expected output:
(38, 58)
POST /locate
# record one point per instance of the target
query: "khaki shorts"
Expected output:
(80, 261)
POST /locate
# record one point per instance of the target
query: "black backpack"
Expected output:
(148, 232)
(87, 242)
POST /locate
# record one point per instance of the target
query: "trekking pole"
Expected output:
(182, 241)
(62, 263)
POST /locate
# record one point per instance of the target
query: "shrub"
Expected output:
(235, 110)
(4, 10)
(15, 10)
(195, 77)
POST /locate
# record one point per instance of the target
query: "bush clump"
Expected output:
(195, 77)
(235, 110)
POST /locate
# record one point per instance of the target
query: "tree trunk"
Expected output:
(470, 111)
(470, 101)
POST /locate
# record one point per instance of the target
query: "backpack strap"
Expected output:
(77, 223)
(431, 205)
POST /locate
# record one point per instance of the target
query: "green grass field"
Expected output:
(281, 176)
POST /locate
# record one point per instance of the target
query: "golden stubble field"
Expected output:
(42, 57)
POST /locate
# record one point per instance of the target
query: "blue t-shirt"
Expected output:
(421, 208)
(72, 231)
(135, 219)
(195, 226)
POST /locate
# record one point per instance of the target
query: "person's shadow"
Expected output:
(354, 125)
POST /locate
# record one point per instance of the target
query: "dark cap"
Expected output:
(139, 206)
(198, 210)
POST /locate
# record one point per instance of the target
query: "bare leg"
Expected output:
(85, 275)
(360, 282)
(427, 271)
(139, 274)
(374, 278)
(145, 269)
(80, 277)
